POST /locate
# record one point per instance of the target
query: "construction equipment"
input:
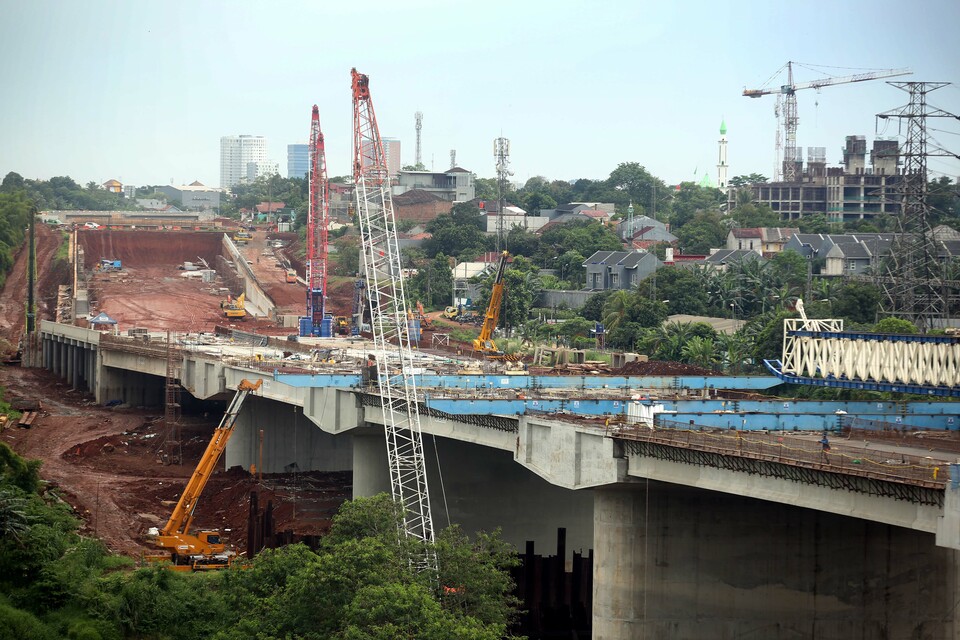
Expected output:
(450, 313)
(202, 550)
(342, 325)
(235, 309)
(241, 237)
(359, 287)
(110, 265)
(391, 331)
(787, 94)
(318, 220)
(291, 276)
(484, 342)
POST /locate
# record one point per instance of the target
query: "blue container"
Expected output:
(326, 327)
(306, 326)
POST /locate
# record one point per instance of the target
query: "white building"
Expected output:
(261, 168)
(236, 153)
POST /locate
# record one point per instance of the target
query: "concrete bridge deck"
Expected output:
(689, 541)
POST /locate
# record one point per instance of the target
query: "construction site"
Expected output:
(200, 394)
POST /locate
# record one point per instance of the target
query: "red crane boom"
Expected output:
(317, 224)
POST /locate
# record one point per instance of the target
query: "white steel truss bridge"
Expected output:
(820, 352)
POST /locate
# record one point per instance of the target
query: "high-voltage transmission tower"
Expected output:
(912, 278)
(501, 153)
(388, 322)
(419, 117)
(318, 219)
(787, 105)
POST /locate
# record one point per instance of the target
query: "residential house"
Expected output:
(420, 205)
(113, 186)
(455, 185)
(764, 240)
(723, 258)
(619, 269)
(644, 232)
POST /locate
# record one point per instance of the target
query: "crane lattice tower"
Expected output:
(501, 153)
(380, 250)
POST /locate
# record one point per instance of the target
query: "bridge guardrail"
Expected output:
(781, 447)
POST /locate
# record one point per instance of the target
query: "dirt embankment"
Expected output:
(149, 248)
(13, 298)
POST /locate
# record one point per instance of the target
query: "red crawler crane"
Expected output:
(317, 223)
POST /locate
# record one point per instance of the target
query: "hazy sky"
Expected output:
(142, 91)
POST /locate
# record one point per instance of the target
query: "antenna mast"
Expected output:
(419, 117)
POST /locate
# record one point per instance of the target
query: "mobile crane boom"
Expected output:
(484, 342)
(193, 550)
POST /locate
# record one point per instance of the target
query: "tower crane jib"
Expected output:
(792, 159)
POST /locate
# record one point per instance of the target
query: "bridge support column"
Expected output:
(290, 442)
(77, 367)
(683, 563)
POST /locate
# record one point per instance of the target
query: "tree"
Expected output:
(689, 200)
(857, 302)
(533, 203)
(592, 309)
(790, 268)
(895, 325)
(680, 287)
(485, 188)
(738, 182)
(752, 215)
(700, 351)
(348, 256)
(702, 233)
(11, 182)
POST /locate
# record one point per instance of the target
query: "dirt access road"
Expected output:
(104, 462)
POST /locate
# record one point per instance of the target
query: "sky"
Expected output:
(142, 92)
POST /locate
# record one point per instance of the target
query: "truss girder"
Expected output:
(907, 360)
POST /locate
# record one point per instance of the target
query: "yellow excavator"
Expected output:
(234, 308)
(202, 550)
(484, 343)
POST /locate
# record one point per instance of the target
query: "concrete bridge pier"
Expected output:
(130, 387)
(290, 442)
(480, 489)
(684, 563)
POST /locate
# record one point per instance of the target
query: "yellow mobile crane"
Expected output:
(484, 342)
(201, 550)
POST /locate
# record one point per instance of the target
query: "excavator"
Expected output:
(234, 308)
(484, 343)
(202, 550)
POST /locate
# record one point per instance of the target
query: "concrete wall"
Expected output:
(257, 301)
(675, 562)
(570, 299)
(290, 440)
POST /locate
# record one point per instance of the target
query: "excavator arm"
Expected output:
(175, 535)
(484, 342)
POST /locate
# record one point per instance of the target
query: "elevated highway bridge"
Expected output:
(701, 530)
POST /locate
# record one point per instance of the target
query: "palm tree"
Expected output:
(14, 521)
(735, 349)
(616, 308)
(700, 351)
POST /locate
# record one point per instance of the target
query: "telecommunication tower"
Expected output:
(453, 158)
(389, 325)
(501, 153)
(317, 224)
(912, 278)
(787, 101)
(419, 118)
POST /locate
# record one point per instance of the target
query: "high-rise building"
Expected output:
(261, 168)
(298, 160)
(391, 152)
(236, 152)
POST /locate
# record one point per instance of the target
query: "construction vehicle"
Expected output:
(110, 265)
(341, 325)
(202, 550)
(234, 309)
(450, 313)
(291, 276)
(241, 237)
(484, 342)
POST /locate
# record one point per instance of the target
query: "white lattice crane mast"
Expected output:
(317, 225)
(788, 92)
(389, 325)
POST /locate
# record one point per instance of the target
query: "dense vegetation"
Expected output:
(55, 583)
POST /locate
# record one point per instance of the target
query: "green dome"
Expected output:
(723, 127)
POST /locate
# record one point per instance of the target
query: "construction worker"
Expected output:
(371, 368)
